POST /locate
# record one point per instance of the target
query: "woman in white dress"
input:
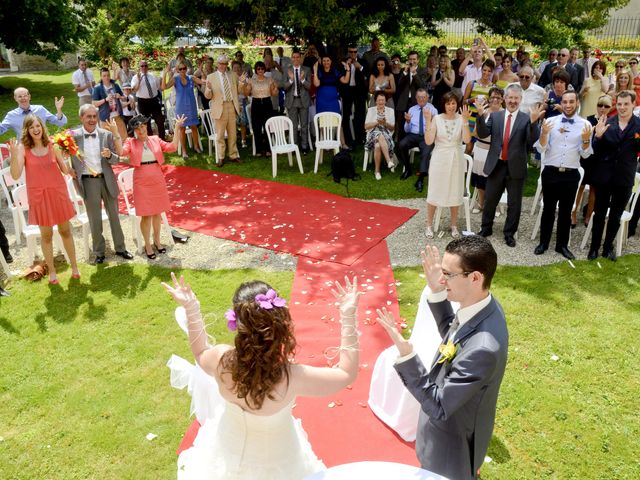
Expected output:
(446, 170)
(254, 436)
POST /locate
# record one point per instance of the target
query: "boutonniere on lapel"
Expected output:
(447, 351)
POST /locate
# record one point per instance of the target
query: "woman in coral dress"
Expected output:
(150, 194)
(49, 202)
(252, 434)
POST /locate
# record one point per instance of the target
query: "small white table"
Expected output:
(375, 471)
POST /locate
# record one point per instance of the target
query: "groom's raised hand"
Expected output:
(385, 318)
(432, 266)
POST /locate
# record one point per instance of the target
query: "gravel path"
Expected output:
(204, 252)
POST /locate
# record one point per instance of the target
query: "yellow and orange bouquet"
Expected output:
(66, 143)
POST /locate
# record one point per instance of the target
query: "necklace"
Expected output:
(449, 127)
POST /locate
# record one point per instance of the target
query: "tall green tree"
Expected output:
(42, 27)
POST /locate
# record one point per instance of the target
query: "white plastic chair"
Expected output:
(621, 237)
(327, 128)
(210, 129)
(82, 217)
(5, 155)
(280, 134)
(466, 199)
(125, 183)
(536, 197)
(32, 232)
(536, 225)
(8, 185)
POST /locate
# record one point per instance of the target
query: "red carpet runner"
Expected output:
(333, 237)
(347, 431)
(284, 218)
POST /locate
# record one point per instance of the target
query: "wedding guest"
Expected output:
(260, 89)
(311, 56)
(49, 203)
(406, 92)
(146, 87)
(122, 73)
(128, 103)
(459, 393)
(481, 150)
(635, 75)
(297, 99)
(370, 56)
(181, 58)
(602, 108)
(414, 128)
(447, 132)
(222, 90)
(95, 181)
(506, 165)
(14, 119)
(505, 76)
(83, 82)
(184, 85)
(564, 140)
(455, 65)
(259, 383)
(471, 66)
(379, 125)
(244, 66)
(326, 79)
(353, 94)
(150, 194)
(442, 82)
(478, 91)
(106, 96)
(616, 147)
(559, 85)
(381, 80)
(532, 93)
(242, 120)
(202, 73)
(592, 88)
(623, 83)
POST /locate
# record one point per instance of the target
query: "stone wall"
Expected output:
(21, 62)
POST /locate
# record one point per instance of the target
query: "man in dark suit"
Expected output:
(95, 181)
(563, 59)
(580, 73)
(297, 99)
(513, 133)
(458, 395)
(406, 90)
(354, 99)
(616, 148)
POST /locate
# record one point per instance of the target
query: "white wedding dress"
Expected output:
(234, 444)
(389, 400)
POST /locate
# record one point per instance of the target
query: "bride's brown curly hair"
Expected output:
(264, 344)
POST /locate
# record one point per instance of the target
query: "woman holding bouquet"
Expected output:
(49, 202)
(149, 187)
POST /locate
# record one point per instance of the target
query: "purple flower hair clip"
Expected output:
(270, 299)
(232, 323)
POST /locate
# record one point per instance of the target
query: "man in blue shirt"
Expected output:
(414, 125)
(15, 118)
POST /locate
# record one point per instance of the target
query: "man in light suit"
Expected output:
(513, 133)
(458, 395)
(95, 181)
(297, 100)
(222, 89)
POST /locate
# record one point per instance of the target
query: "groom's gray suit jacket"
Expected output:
(458, 398)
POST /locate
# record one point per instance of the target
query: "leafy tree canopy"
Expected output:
(51, 27)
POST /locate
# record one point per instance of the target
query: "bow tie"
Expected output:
(24, 112)
(567, 120)
(87, 135)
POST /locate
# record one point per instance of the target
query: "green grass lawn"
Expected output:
(45, 86)
(83, 377)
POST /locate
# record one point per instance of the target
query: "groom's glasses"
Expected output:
(449, 275)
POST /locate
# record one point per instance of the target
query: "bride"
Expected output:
(254, 436)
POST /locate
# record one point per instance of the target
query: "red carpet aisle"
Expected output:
(342, 428)
(284, 218)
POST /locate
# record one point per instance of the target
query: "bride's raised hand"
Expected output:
(180, 290)
(347, 297)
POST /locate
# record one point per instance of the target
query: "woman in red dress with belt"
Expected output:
(149, 187)
(49, 202)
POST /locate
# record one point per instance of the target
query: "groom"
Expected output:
(458, 395)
